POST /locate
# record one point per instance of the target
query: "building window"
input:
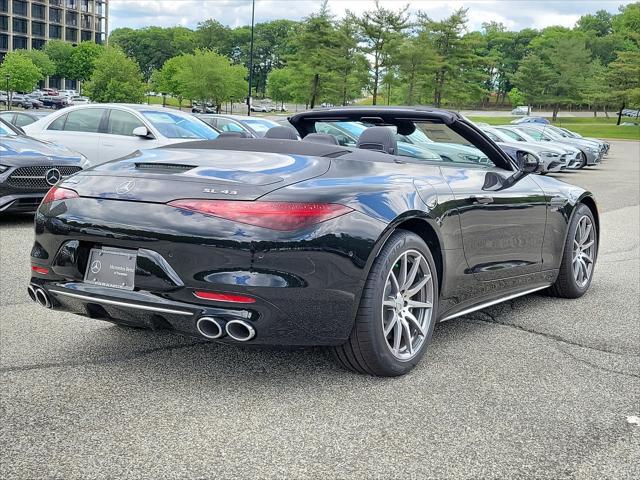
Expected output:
(71, 34)
(86, 36)
(4, 6)
(55, 32)
(87, 21)
(100, 10)
(20, 8)
(37, 43)
(38, 11)
(57, 3)
(72, 19)
(20, 43)
(4, 42)
(86, 6)
(20, 26)
(4, 22)
(38, 29)
(73, 4)
(55, 15)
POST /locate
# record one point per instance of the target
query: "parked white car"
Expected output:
(67, 93)
(553, 159)
(520, 110)
(78, 100)
(106, 131)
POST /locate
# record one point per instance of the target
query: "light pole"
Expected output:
(253, 13)
(7, 78)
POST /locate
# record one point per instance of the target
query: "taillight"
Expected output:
(273, 215)
(224, 297)
(59, 193)
(40, 270)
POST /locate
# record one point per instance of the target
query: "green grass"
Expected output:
(172, 102)
(599, 127)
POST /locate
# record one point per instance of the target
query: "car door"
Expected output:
(502, 230)
(118, 139)
(78, 130)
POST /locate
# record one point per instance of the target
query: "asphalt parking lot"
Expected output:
(534, 388)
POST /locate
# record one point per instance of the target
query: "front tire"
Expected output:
(579, 256)
(397, 310)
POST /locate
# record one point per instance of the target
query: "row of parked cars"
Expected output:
(39, 150)
(46, 98)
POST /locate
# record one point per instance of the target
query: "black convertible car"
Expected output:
(306, 242)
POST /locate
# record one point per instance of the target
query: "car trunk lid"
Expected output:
(162, 175)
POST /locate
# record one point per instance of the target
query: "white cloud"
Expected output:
(514, 14)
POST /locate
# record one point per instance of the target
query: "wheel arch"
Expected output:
(421, 226)
(588, 200)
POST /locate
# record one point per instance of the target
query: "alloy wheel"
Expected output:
(407, 305)
(583, 251)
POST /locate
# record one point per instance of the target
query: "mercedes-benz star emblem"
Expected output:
(126, 187)
(96, 265)
(52, 176)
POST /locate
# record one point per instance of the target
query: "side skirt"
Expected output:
(489, 303)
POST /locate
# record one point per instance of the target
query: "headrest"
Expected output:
(282, 133)
(321, 138)
(233, 134)
(382, 139)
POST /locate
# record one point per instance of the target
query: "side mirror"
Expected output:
(142, 132)
(528, 162)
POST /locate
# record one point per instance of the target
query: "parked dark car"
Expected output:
(30, 167)
(55, 102)
(306, 242)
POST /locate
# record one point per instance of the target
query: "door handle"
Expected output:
(484, 199)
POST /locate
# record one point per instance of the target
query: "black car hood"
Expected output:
(161, 175)
(20, 150)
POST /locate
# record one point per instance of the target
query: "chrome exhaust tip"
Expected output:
(210, 328)
(42, 298)
(240, 331)
(32, 293)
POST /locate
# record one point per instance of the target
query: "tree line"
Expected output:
(388, 55)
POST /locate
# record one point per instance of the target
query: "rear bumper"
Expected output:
(310, 318)
(306, 285)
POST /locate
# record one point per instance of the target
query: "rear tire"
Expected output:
(579, 256)
(390, 339)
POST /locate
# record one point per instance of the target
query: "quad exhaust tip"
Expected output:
(210, 328)
(240, 331)
(39, 295)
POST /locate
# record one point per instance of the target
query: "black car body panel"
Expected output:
(305, 283)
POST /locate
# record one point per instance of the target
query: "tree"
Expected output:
(60, 53)
(22, 73)
(150, 47)
(41, 60)
(83, 59)
(279, 84)
(445, 37)
(600, 23)
(316, 51)
(116, 78)
(381, 32)
(532, 79)
(207, 76)
(516, 97)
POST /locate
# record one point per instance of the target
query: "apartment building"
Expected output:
(27, 24)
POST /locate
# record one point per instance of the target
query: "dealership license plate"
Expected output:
(111, 267)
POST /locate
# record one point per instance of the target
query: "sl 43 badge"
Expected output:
(221, 192)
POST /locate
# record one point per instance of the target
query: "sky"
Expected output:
(514, 14)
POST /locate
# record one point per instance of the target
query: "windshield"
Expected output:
(177, 126)
(6, 131)
(512, 134)
(260, 125)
